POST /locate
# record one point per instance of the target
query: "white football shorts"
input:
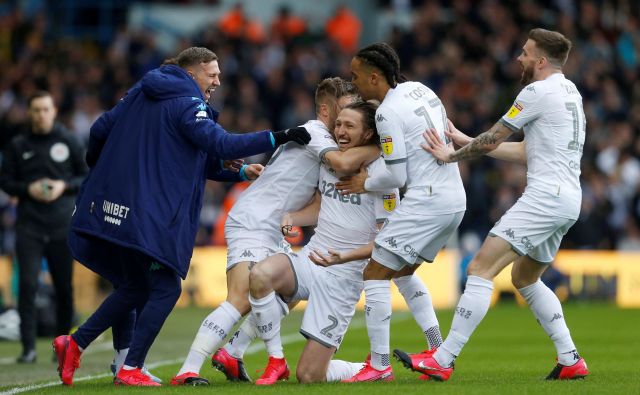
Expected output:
(409, 238)
(244, 245)
(331, 300)
(531, 232)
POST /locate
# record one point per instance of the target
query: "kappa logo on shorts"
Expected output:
(247, 254)
(417, 295)
(392, 242)
(510, 233)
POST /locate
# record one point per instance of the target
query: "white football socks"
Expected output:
(241, 340)
(417, 297)
(341, 370)
(378, 318)
(548, 311)
(268, 314)
(211, 333)
(472, 307)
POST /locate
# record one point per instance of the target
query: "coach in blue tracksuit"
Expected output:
(137, 212)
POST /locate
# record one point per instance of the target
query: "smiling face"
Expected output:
(349, 130)
(207, 76)
(528, 58)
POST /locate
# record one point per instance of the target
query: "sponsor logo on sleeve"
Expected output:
(387, 145)
(202, 112)
(389, 202)
(514, 110)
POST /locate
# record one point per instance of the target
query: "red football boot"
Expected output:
(276, 369)
(369, 373)
(189, 378)
(424, 363)
(576, 371)
(233, 368)
(68, 355)
(134, 377)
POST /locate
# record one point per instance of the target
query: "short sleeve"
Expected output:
(385, 201)
(321, 142)
(389, 127)
(525, 108)
(384, 204)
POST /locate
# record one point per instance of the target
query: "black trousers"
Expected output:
(30, 249)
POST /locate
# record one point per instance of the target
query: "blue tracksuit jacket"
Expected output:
(150, 157)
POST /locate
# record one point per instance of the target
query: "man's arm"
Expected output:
(333, 257)
(481, 145)
(303, 217)
(509, 151)
(209, 136)
(349, 161)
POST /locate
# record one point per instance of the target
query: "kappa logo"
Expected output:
(392, 242)
(380, 118)
(155, 266)
(247, 254)
(531, 88)
(556, 316)
(417, 295)
(510, 233)
(202, 107)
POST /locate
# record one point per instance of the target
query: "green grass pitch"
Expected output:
(508, 354)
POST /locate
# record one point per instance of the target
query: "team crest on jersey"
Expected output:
(59, 152)
(387, 145)
(514, 110)
(389, 202)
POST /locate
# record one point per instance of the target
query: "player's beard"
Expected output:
(527, 75)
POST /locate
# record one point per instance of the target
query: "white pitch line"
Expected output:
(286, 339)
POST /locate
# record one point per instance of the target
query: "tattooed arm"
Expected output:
(481, 145)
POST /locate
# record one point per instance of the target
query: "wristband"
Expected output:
(243, 176)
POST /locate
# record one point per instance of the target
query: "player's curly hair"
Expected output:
(384, 58)
(368, 111)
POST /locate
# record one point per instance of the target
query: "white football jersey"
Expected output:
(288, 182)
(350, 221)
(550, 113)
(406, 112)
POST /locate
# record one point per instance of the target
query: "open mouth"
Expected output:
(343, 142)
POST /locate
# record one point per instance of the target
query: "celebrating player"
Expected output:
(345, 223)
(253, 230)
(431, 210)
(549, 111)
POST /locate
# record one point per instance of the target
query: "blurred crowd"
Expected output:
(464, 50)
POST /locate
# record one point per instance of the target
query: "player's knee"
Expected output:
(476, 268)
(259, 278)
(307, 375)
(520, 281)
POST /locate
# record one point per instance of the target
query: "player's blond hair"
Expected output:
(332, 89)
